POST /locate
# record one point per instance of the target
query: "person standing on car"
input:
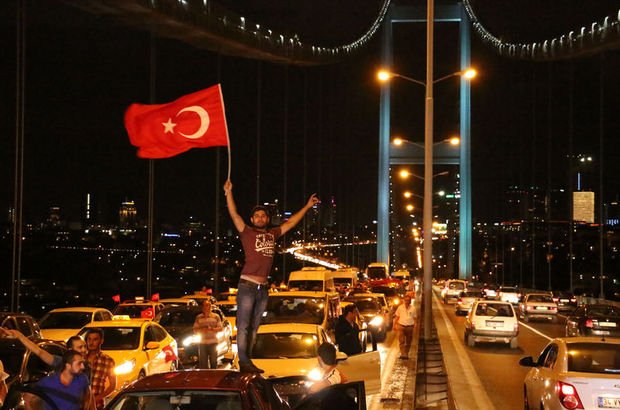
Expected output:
(207, 324)
(347, 331)
(258, 243)
(404, 322)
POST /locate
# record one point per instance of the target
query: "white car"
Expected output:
(62, 323)
(509, 294)
(453, 289)
(466, 301)
(574, 373)
(538, 305)
(492, 321)
(284, 350)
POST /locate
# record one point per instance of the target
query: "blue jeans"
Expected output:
(251, 303)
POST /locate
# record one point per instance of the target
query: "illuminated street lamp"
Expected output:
(386, 75)
(409, 207)
(397, 141)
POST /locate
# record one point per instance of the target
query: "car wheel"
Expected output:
(526, 404)
(471, 342)
(514, 343)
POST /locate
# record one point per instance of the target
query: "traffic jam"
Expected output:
(154, 354)
(578, 366)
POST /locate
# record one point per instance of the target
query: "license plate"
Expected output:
(541, 307)
(607, 324)
(609, 402)
(494, 324)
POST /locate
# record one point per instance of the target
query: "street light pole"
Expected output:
(428, 173)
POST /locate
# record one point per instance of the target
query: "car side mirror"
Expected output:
(151, 346)
(527, 362)
(340, 356)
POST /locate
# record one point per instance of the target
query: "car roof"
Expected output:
(288, 328)
(194, 379)
(493, 302)
(119, 323)
(77, 309)
(365, 295)
(303, 293)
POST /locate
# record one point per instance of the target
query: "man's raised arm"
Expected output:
(295, 218)
(46, 356)
(232, 207)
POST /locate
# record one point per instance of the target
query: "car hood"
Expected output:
(58, 334)
(286, 367)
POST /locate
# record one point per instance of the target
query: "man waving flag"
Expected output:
(195, 120)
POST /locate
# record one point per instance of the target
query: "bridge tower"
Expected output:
(442, 154)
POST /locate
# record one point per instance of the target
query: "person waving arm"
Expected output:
(295, 218)
(232, 207)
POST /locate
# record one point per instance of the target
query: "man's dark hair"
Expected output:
(73, 339)
(67, 357)
(327, 353)
(260, 208)
(348, 309)
(94, 330)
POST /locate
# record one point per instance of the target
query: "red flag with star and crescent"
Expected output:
(196, 120)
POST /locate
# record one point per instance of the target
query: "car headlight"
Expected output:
(376, 321)
(190, 340)
(315, 374)
(126, 367)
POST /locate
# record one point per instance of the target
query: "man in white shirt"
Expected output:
(404, 321)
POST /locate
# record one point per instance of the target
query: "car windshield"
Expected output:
(285, 345)
(594, 358)
(494, 309)
(342, 281)
(306, 285)
(456, 285)
(181, 318)
(364, 304)
(604, 310)
(65, 320)
(294, 309)
(179, 399)
(134, 311)
(119, 338)
(540, 298)
(228, 310)
(376, 273)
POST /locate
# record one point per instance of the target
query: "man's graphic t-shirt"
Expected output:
(259, 247)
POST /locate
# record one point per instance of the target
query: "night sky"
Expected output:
(83, 70)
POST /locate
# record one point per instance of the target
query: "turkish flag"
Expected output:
(170, 354)
(195, 120)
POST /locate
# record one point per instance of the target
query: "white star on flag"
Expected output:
(169, 126)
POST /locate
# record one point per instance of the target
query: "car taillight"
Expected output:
(553, 308)
(518, 295)
(568, 396)
(589, 323)
(556, 300)
(459, 301)
(573, 299)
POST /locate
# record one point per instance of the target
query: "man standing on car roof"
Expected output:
(258, 241)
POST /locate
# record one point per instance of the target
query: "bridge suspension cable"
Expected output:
(598, 36)
(209, 25)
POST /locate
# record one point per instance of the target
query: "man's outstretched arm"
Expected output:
(232, 207)
(295, 218)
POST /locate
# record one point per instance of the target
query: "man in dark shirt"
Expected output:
(347, 331)
(258, 243)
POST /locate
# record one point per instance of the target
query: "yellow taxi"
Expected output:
(174, 302)
(139, 348)
(288, 350)
(138, 308)
(60, 324)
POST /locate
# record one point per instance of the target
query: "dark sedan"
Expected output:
(23, 366)
(594, 320)
(179, 322)
(226, 389)
(566, 301)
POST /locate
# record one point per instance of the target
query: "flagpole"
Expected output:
(151, 188)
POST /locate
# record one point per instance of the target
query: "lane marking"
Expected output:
(477, 390)
(535, 331)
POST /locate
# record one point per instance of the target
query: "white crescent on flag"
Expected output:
(204, 121)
